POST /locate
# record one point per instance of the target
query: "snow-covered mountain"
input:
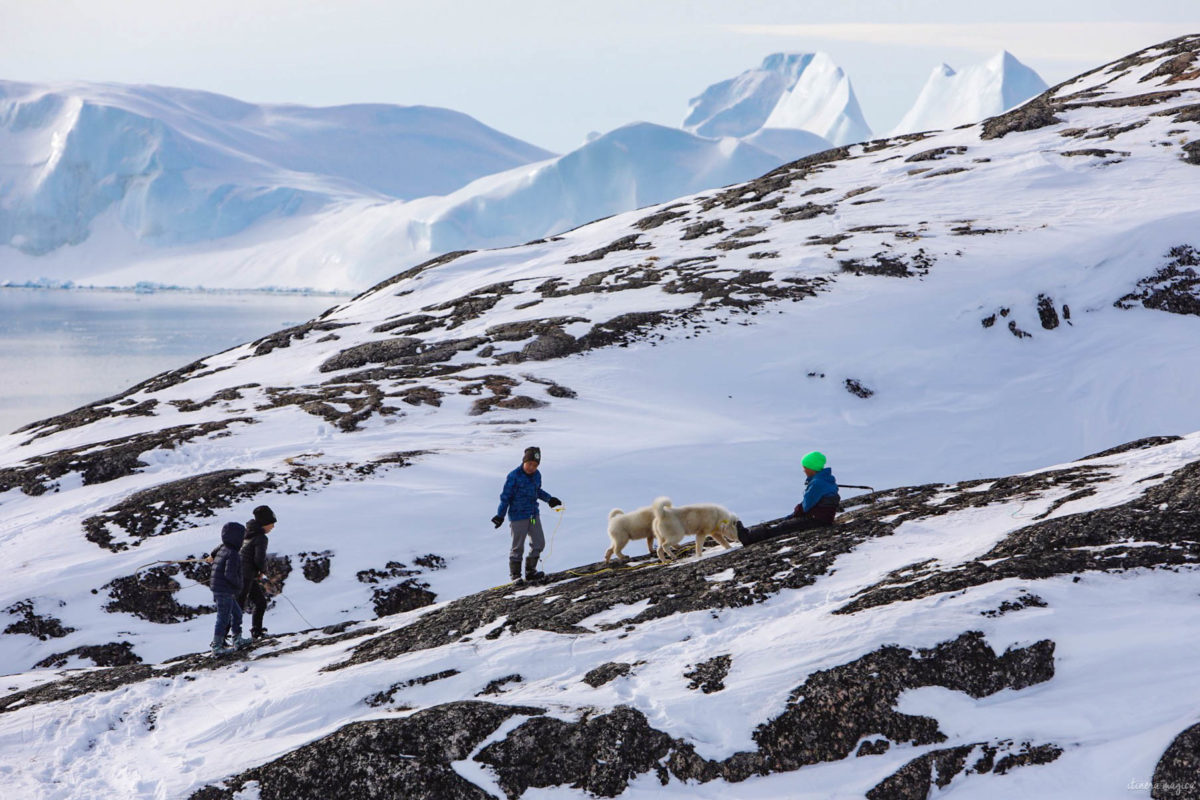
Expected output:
(951, 98)
(947, 316)
(176, 166)
(803, 91)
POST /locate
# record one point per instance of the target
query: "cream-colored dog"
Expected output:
(623, 528)
(672, 524)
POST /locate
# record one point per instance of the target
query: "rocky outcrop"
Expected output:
(601, 753)
(1161, 528)
(1177, 774)
(410, 758)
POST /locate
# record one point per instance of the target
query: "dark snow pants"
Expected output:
(769, 530)
(253, 595)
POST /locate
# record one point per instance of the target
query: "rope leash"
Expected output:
(554, 534)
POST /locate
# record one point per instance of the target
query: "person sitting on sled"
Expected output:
(816, 510)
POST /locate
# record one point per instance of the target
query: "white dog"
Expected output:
(701, 520)
(623, 528)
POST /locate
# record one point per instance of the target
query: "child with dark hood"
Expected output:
(226, 584)
(519, 498)
(254, 565)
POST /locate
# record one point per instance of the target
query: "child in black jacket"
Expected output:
(226, 584)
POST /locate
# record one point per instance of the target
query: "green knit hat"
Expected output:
(814, 461)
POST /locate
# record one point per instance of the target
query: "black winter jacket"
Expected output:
(254, 551)
(227, 566)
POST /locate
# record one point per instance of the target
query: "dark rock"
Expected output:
(113, 654)
(1137, 444)
(361, 399)
(834, 709)
(408, 758)
(606, 672)
(1026, 600)
(100, 462)
(40, 626)
(315, 566)
(1177, 774)
(1046, 312)
(666, 215)
(937, 153)
(170, 507)
(497, 686)
(857, 389)
(385, 697)
(709, 676)
(284, 337)
(890, 265)
(1175, 288)
(150, 595)
(876, 747)
(1096, 152)
(624, 243)
(1158, 529)
(1017, 332)
(698, 229)
(1040, 112)
(599, 755)
(805, 211)
(916, 779)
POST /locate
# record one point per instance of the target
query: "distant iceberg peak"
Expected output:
(951, 98)
(803, 91)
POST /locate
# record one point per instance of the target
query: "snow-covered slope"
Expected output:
(950, 98)
(926, 310)
(803, 91)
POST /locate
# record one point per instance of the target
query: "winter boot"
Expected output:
(219, 648)
(532, 574)
(514, 571)
(242, 642)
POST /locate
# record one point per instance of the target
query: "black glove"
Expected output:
(497, 520)
(554, 502)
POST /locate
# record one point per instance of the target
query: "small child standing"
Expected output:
(226, 584)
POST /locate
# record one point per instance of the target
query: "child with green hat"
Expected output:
(816, 510)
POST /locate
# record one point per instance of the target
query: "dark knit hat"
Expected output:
(264, 515)
(532, 454)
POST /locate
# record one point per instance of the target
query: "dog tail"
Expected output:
(616, 512)
(660, 504)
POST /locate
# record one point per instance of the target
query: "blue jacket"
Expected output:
(520, 495)
(227, 565)
(817, 486)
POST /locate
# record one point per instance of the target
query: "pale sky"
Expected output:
(550, 71)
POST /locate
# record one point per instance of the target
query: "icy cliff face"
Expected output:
(950, 98)
(175, 166)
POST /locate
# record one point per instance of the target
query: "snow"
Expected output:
(949, 99)
(717, 413)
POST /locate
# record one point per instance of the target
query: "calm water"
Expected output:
(63, 349)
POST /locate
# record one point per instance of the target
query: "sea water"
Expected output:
(61, 349)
